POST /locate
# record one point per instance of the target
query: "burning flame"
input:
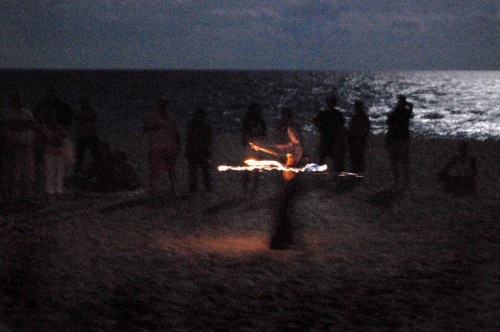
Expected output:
(272, 165)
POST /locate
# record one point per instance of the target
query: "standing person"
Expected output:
(357, 133)
(164, 145)
(331, 127)
(254, 128)
(286, 121)
(18, 128)
(63, 111)
(86, 132)
(284, 233)
(397, 141)
(55, 110)
(53, 135)
(199, 150)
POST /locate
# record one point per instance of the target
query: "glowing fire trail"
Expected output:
(272, 165)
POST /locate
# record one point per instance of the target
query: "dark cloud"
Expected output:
(301, 34)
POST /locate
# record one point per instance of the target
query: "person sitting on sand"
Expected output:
(124, 174)
(199, 150)
(459, 174)
(18, 127)
(164, 145)
(98, 176)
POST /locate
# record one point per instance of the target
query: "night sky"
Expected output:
(250, 34)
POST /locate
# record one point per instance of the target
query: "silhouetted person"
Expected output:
(52, 103)
(56, 111)
(17, 127)
(254, 128)
(397, 141)
(109, 171)
(357, 133)
(199, 150)
(285, 121)
(459, 174)
(86, 132)
(164, 145)
(53, 135)
(331, 127)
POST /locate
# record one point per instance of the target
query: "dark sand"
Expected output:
(371, 260)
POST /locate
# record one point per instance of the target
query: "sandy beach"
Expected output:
(421, 260)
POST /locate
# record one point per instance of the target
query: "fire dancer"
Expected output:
(164, 140)
(254, 128)
(283, 236)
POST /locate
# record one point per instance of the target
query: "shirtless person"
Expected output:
(164, 145)
(284, 235)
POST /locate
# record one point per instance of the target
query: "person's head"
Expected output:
(85, 101)
(199, 114)
(359, 106)
(332, 101)
(16, 101)
(162, 103)
(51, 92)
(463, 147)
(401, 99)
(254, 108)
(286, 113)
(120, 156)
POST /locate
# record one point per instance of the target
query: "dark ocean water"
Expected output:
(447, 103)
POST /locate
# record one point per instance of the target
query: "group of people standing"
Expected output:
(38, 154)
(165, 147)
(336, 140)
(35, 145)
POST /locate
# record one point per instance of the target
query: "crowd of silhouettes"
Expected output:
(38, 155)
(37, 151)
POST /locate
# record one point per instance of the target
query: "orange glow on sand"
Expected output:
(218, 244)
